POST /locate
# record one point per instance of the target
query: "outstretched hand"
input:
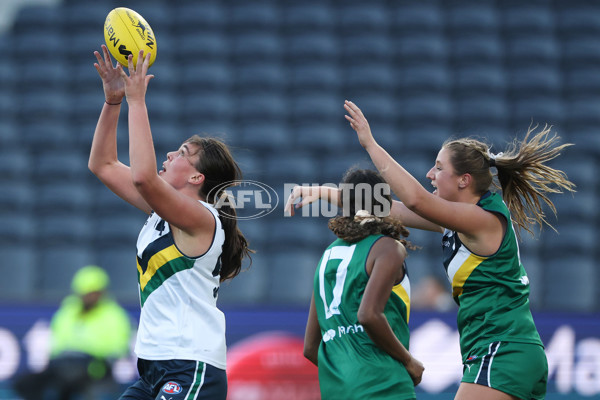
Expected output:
(306, 194)
(136, 82)
(359, 123)
(114, 88)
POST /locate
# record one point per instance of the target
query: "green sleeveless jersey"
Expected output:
(351, 366)
(492, 292)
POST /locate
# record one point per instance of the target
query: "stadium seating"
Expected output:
(20, 283)
(363, 18)
(581, 18)
(260, 106)
(422, 16)
(61, 166)
(250, 286)
(18, 164)
(32, 46)
(56, 266)
(370, 78)
(364, 47)
(475, 80)
(270, 77)
(292, 282)
(269, 135)
(310, 46)
(472, 18)
(319, 17)
(485, 49)
(17, 228)
(540, 50)
(263, 15)
(53, 76)
(211, 16)
(423, 78)
(64, 229)
(43, 102)
(537, 110)
(539, 81)
(260, 76)
(299, 166)
(316, 106)
(564, 277)
(482, 111)
(527, 19)
(321, 76)
(17, 196)
(259, 46)
(120, 264)
(210, 45)
(426, 108)
(36, 17)
(207, 105)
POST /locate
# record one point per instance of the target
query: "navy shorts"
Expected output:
(177, 380)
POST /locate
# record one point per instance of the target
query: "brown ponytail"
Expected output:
(221, 171)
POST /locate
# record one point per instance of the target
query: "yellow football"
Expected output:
(125, 33)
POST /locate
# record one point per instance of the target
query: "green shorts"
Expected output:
(519, 369)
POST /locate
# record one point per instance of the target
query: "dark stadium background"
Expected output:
(270, 78)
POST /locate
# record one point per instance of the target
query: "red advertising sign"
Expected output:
(271, 366)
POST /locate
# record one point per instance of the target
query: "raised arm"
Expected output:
(103, 161)
(308, 195)
(176, 202)
(461, 216)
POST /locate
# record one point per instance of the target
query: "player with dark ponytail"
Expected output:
(184, 251)
(220, 169)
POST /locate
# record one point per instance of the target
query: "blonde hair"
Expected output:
(522, 174)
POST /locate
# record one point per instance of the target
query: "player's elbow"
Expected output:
(94, 167)
(366, 317)
(100, 170)
(141, 180)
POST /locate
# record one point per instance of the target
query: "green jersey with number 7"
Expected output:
(351, 366)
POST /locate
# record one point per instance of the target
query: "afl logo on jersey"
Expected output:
(171, 388)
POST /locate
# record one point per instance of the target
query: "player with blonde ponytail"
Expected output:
(502, 353)
(523, 176)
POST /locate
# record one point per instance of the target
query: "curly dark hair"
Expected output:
(353, 228)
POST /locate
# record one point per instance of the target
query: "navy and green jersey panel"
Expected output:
(492, 291)
(160, 260)
(349, 362)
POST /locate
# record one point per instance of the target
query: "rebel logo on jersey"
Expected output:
(171, 388)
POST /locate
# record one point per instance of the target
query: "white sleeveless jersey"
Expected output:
(178, 296)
